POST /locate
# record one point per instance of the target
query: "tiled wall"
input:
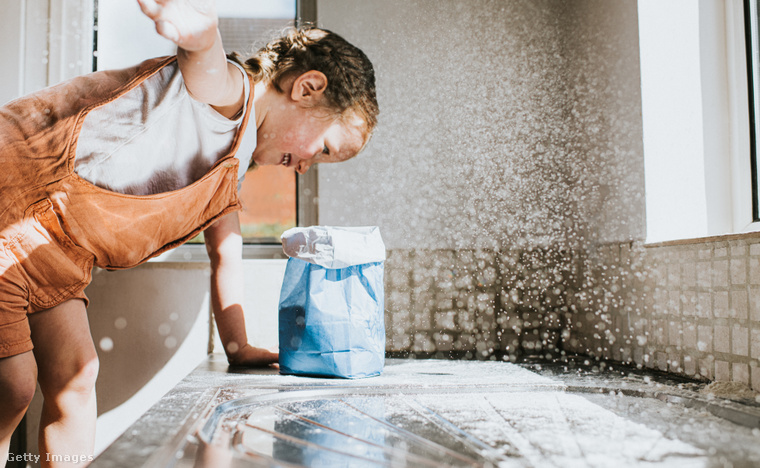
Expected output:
(441, 300)
(477, 303)
(691, 309)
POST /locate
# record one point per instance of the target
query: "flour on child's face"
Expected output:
(299, 137)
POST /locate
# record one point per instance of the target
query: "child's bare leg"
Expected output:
(68, 368)
(18, 381)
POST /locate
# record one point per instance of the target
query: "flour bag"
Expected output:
(331, 303)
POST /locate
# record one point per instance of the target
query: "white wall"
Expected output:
(503, 123)
(470, 108)
(602, 133)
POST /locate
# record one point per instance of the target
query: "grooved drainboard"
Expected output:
(449, 414)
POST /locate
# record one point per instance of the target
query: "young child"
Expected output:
(115, 167)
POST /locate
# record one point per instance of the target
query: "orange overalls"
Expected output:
(54, 225)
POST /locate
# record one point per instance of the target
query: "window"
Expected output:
(274, 198)
(695, 119)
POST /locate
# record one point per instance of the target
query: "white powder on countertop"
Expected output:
(731, 390)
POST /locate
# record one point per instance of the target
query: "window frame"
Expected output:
(741, 133)
(697, 163)
(752, 47)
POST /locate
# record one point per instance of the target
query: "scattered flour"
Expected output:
(731, 390)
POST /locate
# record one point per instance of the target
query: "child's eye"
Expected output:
(326, 150)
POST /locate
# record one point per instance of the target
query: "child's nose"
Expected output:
(304, 165)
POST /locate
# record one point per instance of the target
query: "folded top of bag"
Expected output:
(334, 247)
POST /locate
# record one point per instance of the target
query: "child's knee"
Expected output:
(19, 396)
(18, 382)
(87, 375)
(79, 379)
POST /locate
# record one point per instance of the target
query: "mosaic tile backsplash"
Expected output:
(691, 309)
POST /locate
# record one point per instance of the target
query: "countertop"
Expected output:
(533, 407)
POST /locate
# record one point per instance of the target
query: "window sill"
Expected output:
(753, 232)
(196, 253)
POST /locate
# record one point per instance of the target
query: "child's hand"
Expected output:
(253, 357)
(191, 24)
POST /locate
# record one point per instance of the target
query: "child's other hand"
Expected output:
(253, 357)
(191, 24)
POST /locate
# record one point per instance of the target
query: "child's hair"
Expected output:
(350, 76)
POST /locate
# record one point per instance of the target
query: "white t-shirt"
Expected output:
(156, 138)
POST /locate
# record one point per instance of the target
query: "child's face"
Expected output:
(296, 136)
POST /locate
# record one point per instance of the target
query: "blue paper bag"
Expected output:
(331, 319)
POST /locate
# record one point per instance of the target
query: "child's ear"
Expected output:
(309, 87)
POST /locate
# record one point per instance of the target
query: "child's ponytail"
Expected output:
(350, 76)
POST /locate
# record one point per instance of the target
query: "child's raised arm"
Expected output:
(192, 25)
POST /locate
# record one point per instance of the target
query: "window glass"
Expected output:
(268, 196)
(124, 37)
